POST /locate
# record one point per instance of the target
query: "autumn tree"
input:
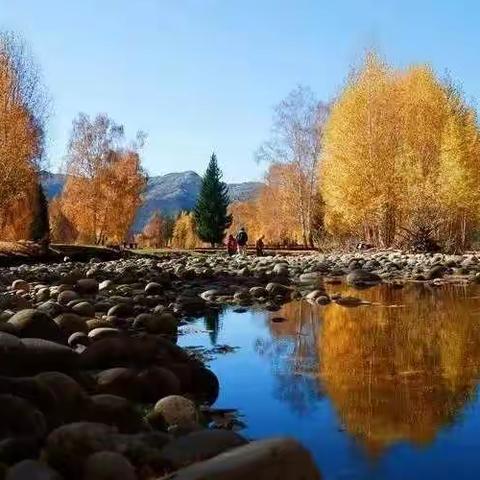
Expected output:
(211, 216)
(185, 232)
(23, 112)
(158, 231)
(400, 155)
(105, 180)
(295, 142)
(61, 229)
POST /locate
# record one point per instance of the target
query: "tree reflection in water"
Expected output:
(398, 371)
(212, 324)
(292, 350)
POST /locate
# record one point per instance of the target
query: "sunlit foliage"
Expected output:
(401, 151)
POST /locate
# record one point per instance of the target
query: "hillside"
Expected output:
(168, 193)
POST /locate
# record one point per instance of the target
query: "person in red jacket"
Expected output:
(231, 245)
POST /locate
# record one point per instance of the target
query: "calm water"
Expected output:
(388, 390)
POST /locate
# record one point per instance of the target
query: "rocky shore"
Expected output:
(93, 385)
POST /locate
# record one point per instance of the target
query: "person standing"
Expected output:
(231, 245)
(242, 239)
(259, 246)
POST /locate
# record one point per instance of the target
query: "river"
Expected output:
(386, 390)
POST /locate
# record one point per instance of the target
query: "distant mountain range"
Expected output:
(170, 193)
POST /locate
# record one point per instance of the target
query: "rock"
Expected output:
(311, 278)
(205, 385)
(87, 286)
(11, 353)
(174, 410)
(41, 355)
(68, 446)
(115, 411)
(33, 391)
(277, 458)
(118, 381)
(67, 296)
(258, 292)
(36, 324)
(348, 301)
(103, 332)
(190, 304)
(277, 289)
(21, 285)
(32, 470)
(165, 323)
(51, 308)
(156, 382)
(106, 285)
(438, 271)
(70, 398)
(200, 445)
(280, 269)
(361, 278)
(43, 294)
(78, 338)
(17, 449)
(121, 310)
(19, 418)
(313, 295)
(85, 309)
(70, 323)
(108, 466)
(153, 288)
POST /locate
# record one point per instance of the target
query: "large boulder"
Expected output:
(36, 324)
(119, 381)
(268, 459)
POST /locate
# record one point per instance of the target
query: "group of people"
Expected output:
(238, 244)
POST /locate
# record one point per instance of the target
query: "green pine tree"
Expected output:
(40, 227)
(211, 209)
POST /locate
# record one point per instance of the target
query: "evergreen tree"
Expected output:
(40, 227)
(211, 210)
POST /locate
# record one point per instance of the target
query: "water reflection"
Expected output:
(395, 371)
(292, 349)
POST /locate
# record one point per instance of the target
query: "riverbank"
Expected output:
(89, 361)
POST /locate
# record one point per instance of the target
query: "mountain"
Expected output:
(170, 193)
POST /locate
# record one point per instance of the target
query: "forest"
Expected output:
(392, 160)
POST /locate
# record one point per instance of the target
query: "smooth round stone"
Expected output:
(21, 285)
(84, 309)
(66, 296)
(153, 288)
(87, 286)
(176, 410)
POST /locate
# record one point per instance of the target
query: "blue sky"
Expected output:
(203, 75)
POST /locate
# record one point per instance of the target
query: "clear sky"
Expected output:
(203, 75)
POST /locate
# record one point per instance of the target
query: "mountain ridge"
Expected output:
(169, 193)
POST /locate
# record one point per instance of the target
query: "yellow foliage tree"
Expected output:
(400, 154)
(104, 183)
(184, 232)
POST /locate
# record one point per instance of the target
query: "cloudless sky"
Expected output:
(203, 75)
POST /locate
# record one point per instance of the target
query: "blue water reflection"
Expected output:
(387, 390)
